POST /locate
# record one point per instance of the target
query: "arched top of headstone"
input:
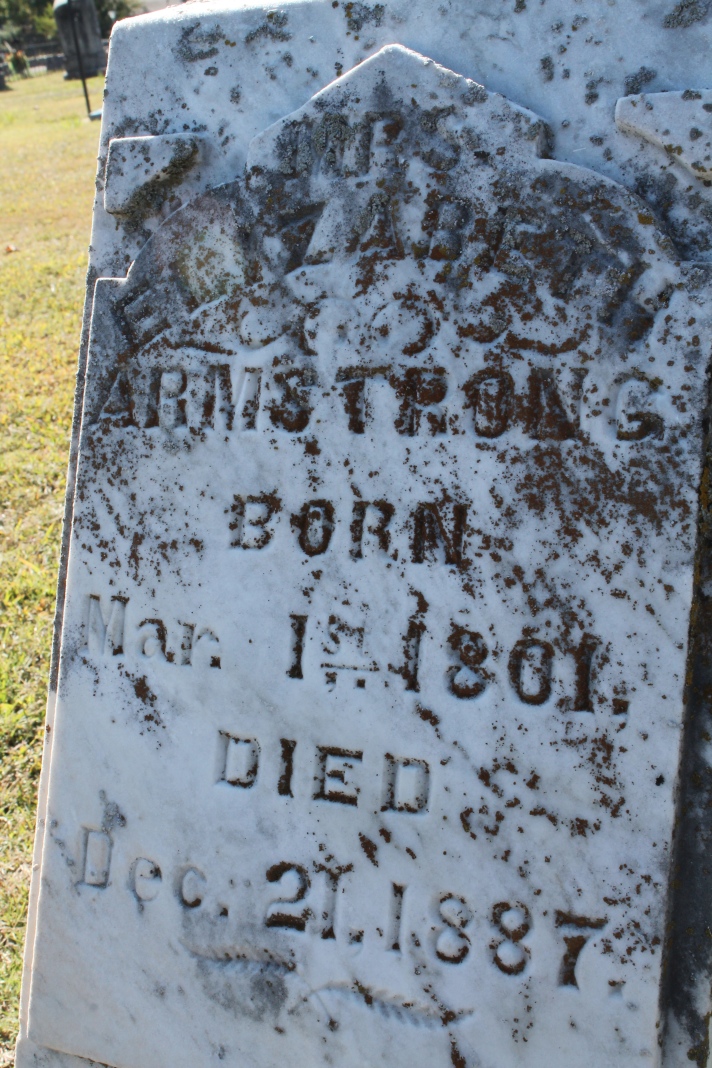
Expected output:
(414, 181)
(396, 99)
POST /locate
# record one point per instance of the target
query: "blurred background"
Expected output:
(31, 36)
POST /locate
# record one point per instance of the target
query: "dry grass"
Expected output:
(46, 189)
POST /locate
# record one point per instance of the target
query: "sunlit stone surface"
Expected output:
(376, 732)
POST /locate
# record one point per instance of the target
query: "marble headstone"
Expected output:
(377, 730)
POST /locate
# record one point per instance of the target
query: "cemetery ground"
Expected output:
(47, 167)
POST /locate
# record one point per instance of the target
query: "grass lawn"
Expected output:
(46, 190)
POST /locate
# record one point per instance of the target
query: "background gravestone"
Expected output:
(86, 22)
(377, 728)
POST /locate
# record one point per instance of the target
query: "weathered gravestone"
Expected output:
(379, 735)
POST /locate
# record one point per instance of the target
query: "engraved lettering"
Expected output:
(430, 533)
(377, 527)
(97, 858)
(299, 627)
(376, 229)
(284, 784)
(468, 678)
(153, 642)
(407, 784)
(293, 411)
(252, 517)
(315, 524)
(295, 145)
(530, 669)
(583, 657)
(446, 243)
(354, 393)
(547, 414)
(371, 150)
(218, 408)
(297, 229)
(398, 893)
(338, 629)
(345, 642)
(145, 879)
(120, 400)
(452, 945)
(239, 760)
(333, 766)
(250, 397)
(275, 916)
(186, 644)
(328, 914)
(490, 395)
(172, 400)
(190, 887)
(209, 636)
(636, 425)
(411, 653)
(104, 635)
(574, 943)
(147, 402)
(514, 923)
(330, 138)
(421, 392)
(465, 816)
(384, 130)
(145, 319)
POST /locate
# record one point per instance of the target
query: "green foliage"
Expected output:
(9, 32)
(17, 17)
(122, 9)
(20, 19)
(43, 24)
